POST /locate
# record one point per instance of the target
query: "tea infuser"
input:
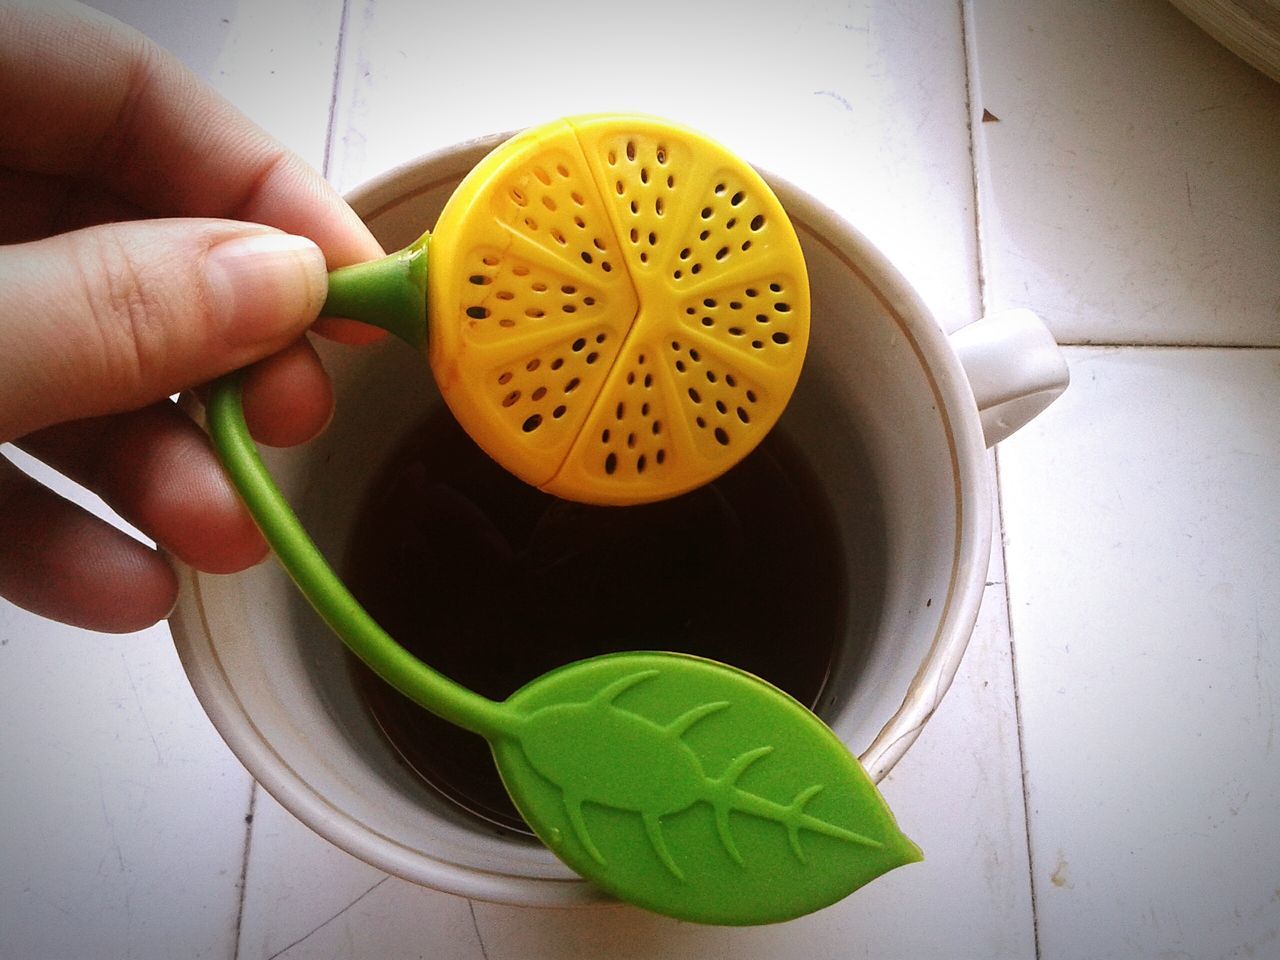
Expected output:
(619, 308)
(618, 311)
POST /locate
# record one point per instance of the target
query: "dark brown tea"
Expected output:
(493, 583)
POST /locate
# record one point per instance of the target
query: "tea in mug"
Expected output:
(493, 583)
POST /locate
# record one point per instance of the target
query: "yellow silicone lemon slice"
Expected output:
(619, 308)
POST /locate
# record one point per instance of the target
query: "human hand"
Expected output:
(105, 312)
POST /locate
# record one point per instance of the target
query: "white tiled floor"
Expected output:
(1131, 187)
(973, 885)
(1142, 538)
(810, 90)
(1101, 780)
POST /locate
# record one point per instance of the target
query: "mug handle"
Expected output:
(1015, 367)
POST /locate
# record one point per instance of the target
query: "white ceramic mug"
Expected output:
(888, 408)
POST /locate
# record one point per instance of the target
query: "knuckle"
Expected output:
(129, 317)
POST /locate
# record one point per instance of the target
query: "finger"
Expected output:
(287, 397)
(115, 317)
(34, 206)
(87, 97)
(157, 470)
(65, 564)
(28, 202)
(347, 331)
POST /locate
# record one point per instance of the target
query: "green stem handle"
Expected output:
(390, 293)
(321, 585)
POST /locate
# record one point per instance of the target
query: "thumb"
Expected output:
(118, 316)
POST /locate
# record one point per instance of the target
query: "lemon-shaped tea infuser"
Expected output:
(619, 308)
(616, 310)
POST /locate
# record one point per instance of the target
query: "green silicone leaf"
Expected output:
(694, 789)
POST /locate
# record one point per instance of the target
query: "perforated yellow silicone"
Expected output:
(619, 308)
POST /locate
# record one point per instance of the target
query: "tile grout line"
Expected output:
(244, 866)
(1155, 345)
(970, 69)
(967, 51)
(324, 171)
(338, 58)
(1017, 713)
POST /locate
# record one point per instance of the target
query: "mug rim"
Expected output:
(966, 444)
(960, 420)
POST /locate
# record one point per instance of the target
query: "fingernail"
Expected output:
(265, 286)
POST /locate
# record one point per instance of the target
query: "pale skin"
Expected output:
(151, 239)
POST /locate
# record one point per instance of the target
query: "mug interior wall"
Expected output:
(864, 405)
